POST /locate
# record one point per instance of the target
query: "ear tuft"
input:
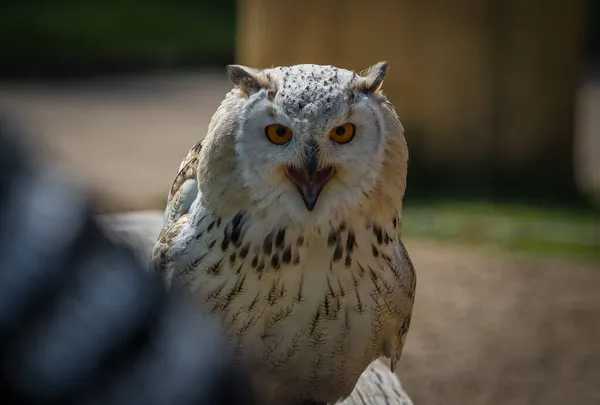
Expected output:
(245, 78)
(372, 77)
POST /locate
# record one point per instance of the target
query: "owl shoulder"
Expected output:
(184, 189)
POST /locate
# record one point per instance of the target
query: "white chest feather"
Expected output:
(316, 307)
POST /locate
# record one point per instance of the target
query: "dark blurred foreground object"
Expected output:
(80, 320)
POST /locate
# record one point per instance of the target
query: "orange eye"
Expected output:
(278, 134)
(343, 133)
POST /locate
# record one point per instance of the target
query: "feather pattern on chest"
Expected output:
(323, 302)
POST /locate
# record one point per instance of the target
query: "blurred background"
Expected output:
(501, 104)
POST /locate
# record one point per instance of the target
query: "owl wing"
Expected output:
(402, 264)
(183, 191)
(183, 194)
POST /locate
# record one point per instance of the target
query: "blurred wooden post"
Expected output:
(485, 88)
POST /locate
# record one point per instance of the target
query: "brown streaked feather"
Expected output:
(406, 263)
(187, 171)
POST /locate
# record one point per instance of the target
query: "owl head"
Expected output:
(307, 143)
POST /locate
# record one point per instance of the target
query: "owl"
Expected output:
(284, 221)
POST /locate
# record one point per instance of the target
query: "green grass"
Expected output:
(529, 229)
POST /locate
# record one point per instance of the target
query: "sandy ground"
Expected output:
(495, 329)
(125, 137)
(488, 328)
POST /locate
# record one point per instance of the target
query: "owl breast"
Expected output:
(312, 309)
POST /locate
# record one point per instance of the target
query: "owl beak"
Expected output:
(310, 181)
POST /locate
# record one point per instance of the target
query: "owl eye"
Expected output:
(343, 133)
(278, 134)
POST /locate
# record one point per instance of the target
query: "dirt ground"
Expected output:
(488, 327)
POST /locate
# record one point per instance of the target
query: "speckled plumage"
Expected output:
(310, 298)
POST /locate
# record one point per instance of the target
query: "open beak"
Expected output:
(310, 180)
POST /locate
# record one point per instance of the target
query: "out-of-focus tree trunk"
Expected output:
(485, 88)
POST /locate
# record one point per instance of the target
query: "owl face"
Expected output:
(311, 139)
